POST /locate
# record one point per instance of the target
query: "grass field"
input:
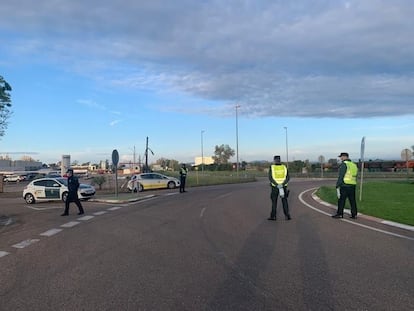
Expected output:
(390, 200)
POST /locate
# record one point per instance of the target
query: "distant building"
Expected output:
(11, 166)
(203, 160)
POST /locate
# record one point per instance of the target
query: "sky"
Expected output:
(298, 79)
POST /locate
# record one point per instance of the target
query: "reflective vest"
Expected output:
(350, 177)
(183, 171)
(279, 173)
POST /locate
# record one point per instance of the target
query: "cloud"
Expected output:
(114, 122)
(342, 59)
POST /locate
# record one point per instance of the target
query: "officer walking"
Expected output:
(346, 185)
(279, 178)
(183, 177)
(73, 186)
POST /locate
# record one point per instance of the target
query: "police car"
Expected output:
(53, 189)
(146, 181)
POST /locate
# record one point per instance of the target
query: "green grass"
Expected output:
(390, 200)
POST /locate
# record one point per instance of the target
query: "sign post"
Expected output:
(115, 160)
(362, 167)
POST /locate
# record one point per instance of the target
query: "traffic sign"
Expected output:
(115, 157)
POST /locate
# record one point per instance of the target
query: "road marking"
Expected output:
(3, 253)
(44, 208)
(100, 213)
(50, 232)
(25, 243)
(172, 193)
(114, 208)
(349, 221)
(202, 212)
(86, 218)
(70, 224)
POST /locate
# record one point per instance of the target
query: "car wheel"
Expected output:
(171, 185)
(29, 198)
(140, 188)
(64, 196)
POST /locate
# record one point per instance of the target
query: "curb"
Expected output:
(120, 201)
(372, 218)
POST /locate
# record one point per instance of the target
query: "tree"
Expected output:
(222, 154)
(5, 104)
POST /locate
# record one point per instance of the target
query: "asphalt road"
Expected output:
(211, 248)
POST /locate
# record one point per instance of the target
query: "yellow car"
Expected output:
(146, 181)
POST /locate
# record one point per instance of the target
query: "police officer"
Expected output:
(183, 177)
(279, 178)
(73, 186)
(346, 185)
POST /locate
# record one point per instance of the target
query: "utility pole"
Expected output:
(287, 152)
(237, 140)
(202, 152)
(146, 169)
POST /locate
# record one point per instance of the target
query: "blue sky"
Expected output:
(90, 77)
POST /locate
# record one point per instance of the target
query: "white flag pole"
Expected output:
(362, 167)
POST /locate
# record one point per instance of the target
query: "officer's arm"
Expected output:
(342, 171)
(272, 181)
(287, 178)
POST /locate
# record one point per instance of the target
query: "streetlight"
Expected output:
(202, 152)
(287, 152)
(237, 140)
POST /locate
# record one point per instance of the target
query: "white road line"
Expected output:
(100, 213)
(172, 193)
(351, 222)
(45, 208)
(51, 232)
(3, 253)
(114, 208)
(25, 243)
(70, 224)
(202, 212)
(86, 218)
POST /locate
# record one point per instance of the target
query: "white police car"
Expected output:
(53, 189)
(146, 181)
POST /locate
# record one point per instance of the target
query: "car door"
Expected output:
(52, 189)
(160, 180)
(146, 181)
(39, 189)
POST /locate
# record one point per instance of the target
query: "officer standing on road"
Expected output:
(346, 185)
(73, 186)
(183, 177)
(279, 178)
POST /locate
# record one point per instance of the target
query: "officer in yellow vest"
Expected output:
(183, 177)
(346, 185)
(279, 178)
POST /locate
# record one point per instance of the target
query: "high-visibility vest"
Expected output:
(350, 177)
(279, 173)
(183, 171)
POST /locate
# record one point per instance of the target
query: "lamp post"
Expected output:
(287, 152)
(237, 140)
(202, 152)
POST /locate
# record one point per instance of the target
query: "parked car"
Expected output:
(13, 178)
(145, 181)
(53, 189)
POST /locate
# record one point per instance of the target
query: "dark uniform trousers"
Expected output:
(347, 191)
(274, 196)
(73, 197)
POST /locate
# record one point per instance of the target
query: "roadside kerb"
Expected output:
(119, 200)
(368, 217)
